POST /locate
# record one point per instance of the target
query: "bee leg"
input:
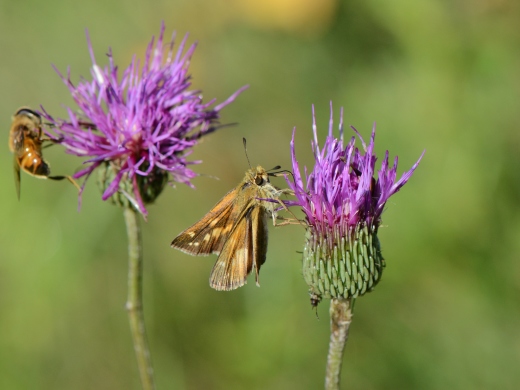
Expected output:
(49, 142)
(65, 177)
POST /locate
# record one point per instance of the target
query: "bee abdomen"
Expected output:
(35, 165)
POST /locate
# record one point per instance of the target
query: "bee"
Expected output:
(235, 229)
(26, 143)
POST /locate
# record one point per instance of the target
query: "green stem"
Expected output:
(340, 319)
(134, 303)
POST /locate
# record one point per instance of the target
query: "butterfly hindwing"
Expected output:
(235, 261)
(260, 235)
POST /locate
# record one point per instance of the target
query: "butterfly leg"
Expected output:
(287, 221)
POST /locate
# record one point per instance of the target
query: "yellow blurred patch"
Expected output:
(299, 16)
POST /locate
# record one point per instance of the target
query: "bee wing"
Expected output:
(16, 171)
(16, 140)
(245, 248)
(211, 232)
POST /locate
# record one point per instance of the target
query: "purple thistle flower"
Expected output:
(142, 125)
(343, 202)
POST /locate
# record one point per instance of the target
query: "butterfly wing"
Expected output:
(260, 234)
(236, 259)
(236, 229)
(245, 248)
(211, 232)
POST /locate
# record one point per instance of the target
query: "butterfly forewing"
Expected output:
(209, 234)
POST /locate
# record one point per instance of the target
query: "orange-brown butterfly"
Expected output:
(26, 142)
(235, 229)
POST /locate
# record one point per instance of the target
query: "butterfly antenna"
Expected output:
(245, 150)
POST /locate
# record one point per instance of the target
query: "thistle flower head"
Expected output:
(343, 201)
(139, 127)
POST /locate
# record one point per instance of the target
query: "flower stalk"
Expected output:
(134, 302)
(340, 319)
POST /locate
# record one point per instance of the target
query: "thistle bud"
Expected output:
(343, 202)
(348, 268)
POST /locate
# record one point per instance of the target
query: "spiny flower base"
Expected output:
(149, 186)
(352, 267)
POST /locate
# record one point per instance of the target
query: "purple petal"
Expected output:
(147, 116)
(341, 191)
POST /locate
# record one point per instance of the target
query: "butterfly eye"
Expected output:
(259, 180)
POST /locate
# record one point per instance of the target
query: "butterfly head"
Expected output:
(259, 176)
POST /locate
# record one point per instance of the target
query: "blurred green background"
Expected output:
(435, 75)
